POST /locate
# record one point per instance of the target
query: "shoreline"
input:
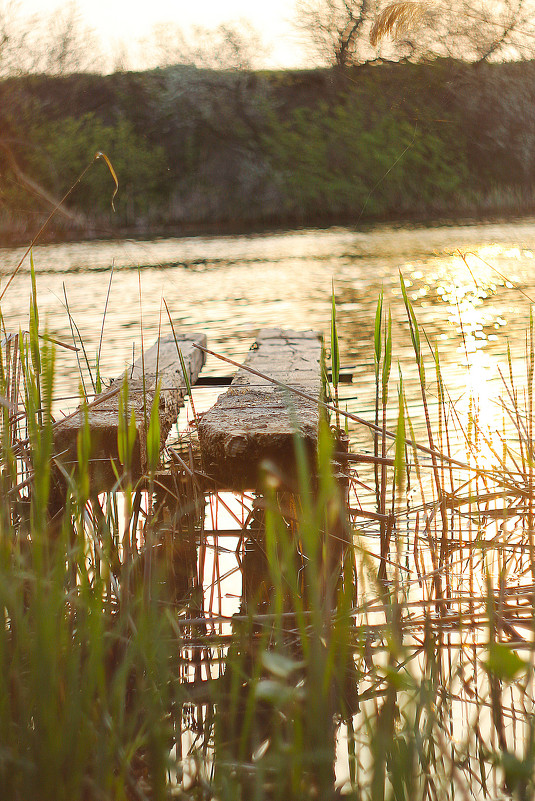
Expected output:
(54, 236)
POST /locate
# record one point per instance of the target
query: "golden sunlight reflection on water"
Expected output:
(470, 286)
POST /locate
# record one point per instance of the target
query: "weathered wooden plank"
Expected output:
(256, 420)
(160, 363)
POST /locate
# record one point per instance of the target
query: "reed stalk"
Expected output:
(126, 679)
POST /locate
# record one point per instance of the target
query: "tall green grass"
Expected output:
(387, 649)
(89, 690)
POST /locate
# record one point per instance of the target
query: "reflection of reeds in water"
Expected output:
(168, 638)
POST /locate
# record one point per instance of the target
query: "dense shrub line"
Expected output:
(193, 146)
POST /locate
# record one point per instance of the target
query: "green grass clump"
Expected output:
(89, 689)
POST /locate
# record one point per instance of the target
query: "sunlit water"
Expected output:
(470, 286)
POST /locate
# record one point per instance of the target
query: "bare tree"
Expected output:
(55, 43)
(14, 36)
(164, 46)
(346, 32)
(120, 56)
(64, 44)
(472, 30)
(337, 30)
(231, 46)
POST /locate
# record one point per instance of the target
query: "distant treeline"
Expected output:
(194, 148)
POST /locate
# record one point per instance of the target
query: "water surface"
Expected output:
(470, 284)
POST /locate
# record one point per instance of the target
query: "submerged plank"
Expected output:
(256, 420)
(161, 363)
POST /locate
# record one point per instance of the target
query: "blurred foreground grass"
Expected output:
(381, 653)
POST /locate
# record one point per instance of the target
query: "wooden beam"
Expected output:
(256, 420)
(161, 363)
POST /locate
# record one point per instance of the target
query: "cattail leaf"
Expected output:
(416, 332)
(34, 289)
(413, 325)
(98, 380)
(132, 434)
(335, 352)
(399, 457)
(153, 433)
(100, 155)
(387, 363)
(377, 332)
(122, 422)
(34, 322)
(184, 371)
(83, 447)
(127, 429)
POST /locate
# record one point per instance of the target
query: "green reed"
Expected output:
(405, 646)
(88, 692)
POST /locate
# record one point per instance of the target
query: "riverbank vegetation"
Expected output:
(236, 148)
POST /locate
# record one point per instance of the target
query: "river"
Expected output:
(470, 285)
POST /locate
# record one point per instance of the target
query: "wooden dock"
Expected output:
(273, 399)
(160, 364)
(257, 419)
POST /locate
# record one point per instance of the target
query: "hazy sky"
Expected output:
(131, 20)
